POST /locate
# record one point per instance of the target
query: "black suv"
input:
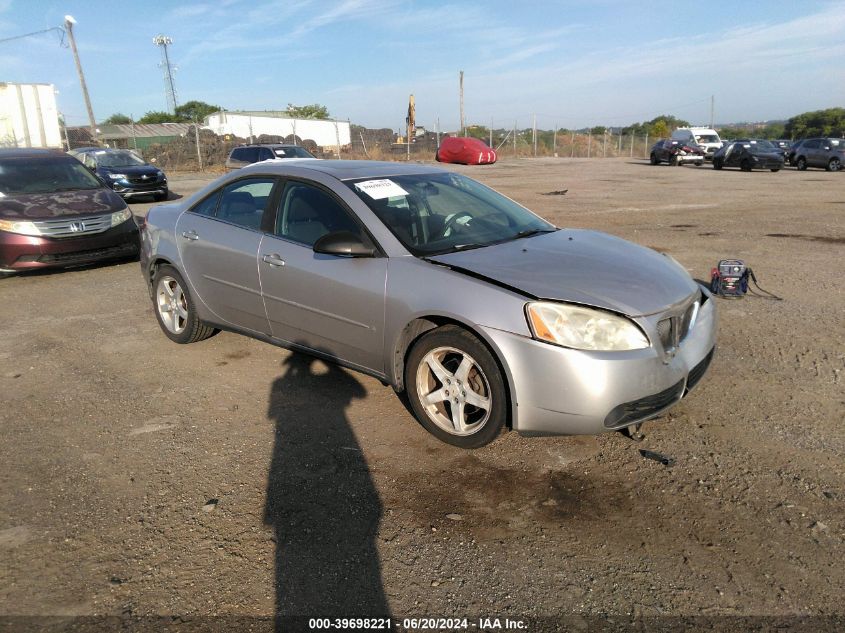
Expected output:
(248, 154)
(124, 171)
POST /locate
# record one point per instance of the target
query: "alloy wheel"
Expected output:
(172, 304)
(453, 390)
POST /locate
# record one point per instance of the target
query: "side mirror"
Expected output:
(343, 244)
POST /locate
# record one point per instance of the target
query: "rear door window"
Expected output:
(243, 202)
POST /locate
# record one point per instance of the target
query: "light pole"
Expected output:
(69, 22)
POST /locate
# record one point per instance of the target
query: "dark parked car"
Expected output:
(676, 153)
(485, 314)
(828, 153)
(748, 155)
(248, 154)
(125, 172)
(54, 212)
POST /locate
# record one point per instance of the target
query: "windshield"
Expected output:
(706, 138)
(44, 175)
(292, 152)
(118, 159)
(444, 212)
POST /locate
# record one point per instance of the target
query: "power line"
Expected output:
(52, 28)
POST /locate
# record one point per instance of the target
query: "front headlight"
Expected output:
(583, 328)
(19, 227)
(117, 176)
(120, 217)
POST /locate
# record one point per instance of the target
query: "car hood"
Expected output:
(579, 266)
(35, 206)
(135, 170)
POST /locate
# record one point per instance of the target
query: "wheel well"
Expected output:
(154, 267)
(419, 326)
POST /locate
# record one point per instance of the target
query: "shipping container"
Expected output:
(28, 116)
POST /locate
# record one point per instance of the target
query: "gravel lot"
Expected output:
(234, 478)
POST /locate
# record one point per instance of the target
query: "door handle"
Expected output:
(274, 260)
(190, 235)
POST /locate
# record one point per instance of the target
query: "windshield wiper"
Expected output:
(531, 232)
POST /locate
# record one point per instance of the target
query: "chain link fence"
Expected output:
(209, 151)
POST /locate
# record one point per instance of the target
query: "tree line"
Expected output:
(197, 111)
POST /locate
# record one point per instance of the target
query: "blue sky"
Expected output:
(574, 64)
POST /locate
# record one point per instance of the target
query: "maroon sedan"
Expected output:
(54, 212)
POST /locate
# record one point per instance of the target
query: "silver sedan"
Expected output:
(485, 314)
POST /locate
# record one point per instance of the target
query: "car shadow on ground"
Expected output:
(321, 500)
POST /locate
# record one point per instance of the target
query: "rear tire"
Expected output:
(717, 163)
(455, 387)
(174, 308)
(775, 169)
(801, 163)
(698, 163)
(834, 165)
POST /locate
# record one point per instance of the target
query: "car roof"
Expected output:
(31, 152)
(348, 169)
(271, 145)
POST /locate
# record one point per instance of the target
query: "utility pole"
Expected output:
(554, 142)
(712, 107)
(69, 22)
(463, 122)
(197, 136)
(514, 139)
(534, 136)
(491, 132)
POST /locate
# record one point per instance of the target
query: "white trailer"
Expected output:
(29, 116)
(326, 133)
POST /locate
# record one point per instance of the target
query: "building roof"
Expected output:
(143, 130)
(148, 130)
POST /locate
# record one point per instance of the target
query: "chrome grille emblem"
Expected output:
(77, 227)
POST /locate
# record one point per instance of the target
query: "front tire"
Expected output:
(654, 160)
(159, 197)
(717, 163)
(834, 165)
(801, 163)
(745, 165)
(175, 309)
(455, 387)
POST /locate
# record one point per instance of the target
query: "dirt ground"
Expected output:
(231, 477)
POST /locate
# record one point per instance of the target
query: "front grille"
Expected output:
(112, 252)
(697, 372)
(74, 227)
(631, 412)
(138, 180)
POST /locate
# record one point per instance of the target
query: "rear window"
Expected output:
(44, 175)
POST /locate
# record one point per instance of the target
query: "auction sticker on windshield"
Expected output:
(381, 189)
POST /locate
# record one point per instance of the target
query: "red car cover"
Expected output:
(465, 151)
